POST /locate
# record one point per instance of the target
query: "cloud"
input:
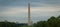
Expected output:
(45, 3)
(34, 3)
(45, 9)
(22, 11)
(18, 10)
(51, 2)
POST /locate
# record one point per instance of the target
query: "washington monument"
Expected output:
(29, 13)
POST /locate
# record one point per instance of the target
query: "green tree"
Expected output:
(51, 22)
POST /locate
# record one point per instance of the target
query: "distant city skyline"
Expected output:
(17, 10)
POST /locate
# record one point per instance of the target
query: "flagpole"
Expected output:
(29, 13)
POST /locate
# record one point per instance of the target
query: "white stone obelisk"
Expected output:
(29, 13)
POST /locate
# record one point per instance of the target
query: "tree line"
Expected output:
(11, 24)
(51, 22)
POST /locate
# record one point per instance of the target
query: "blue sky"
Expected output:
(16, 10)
